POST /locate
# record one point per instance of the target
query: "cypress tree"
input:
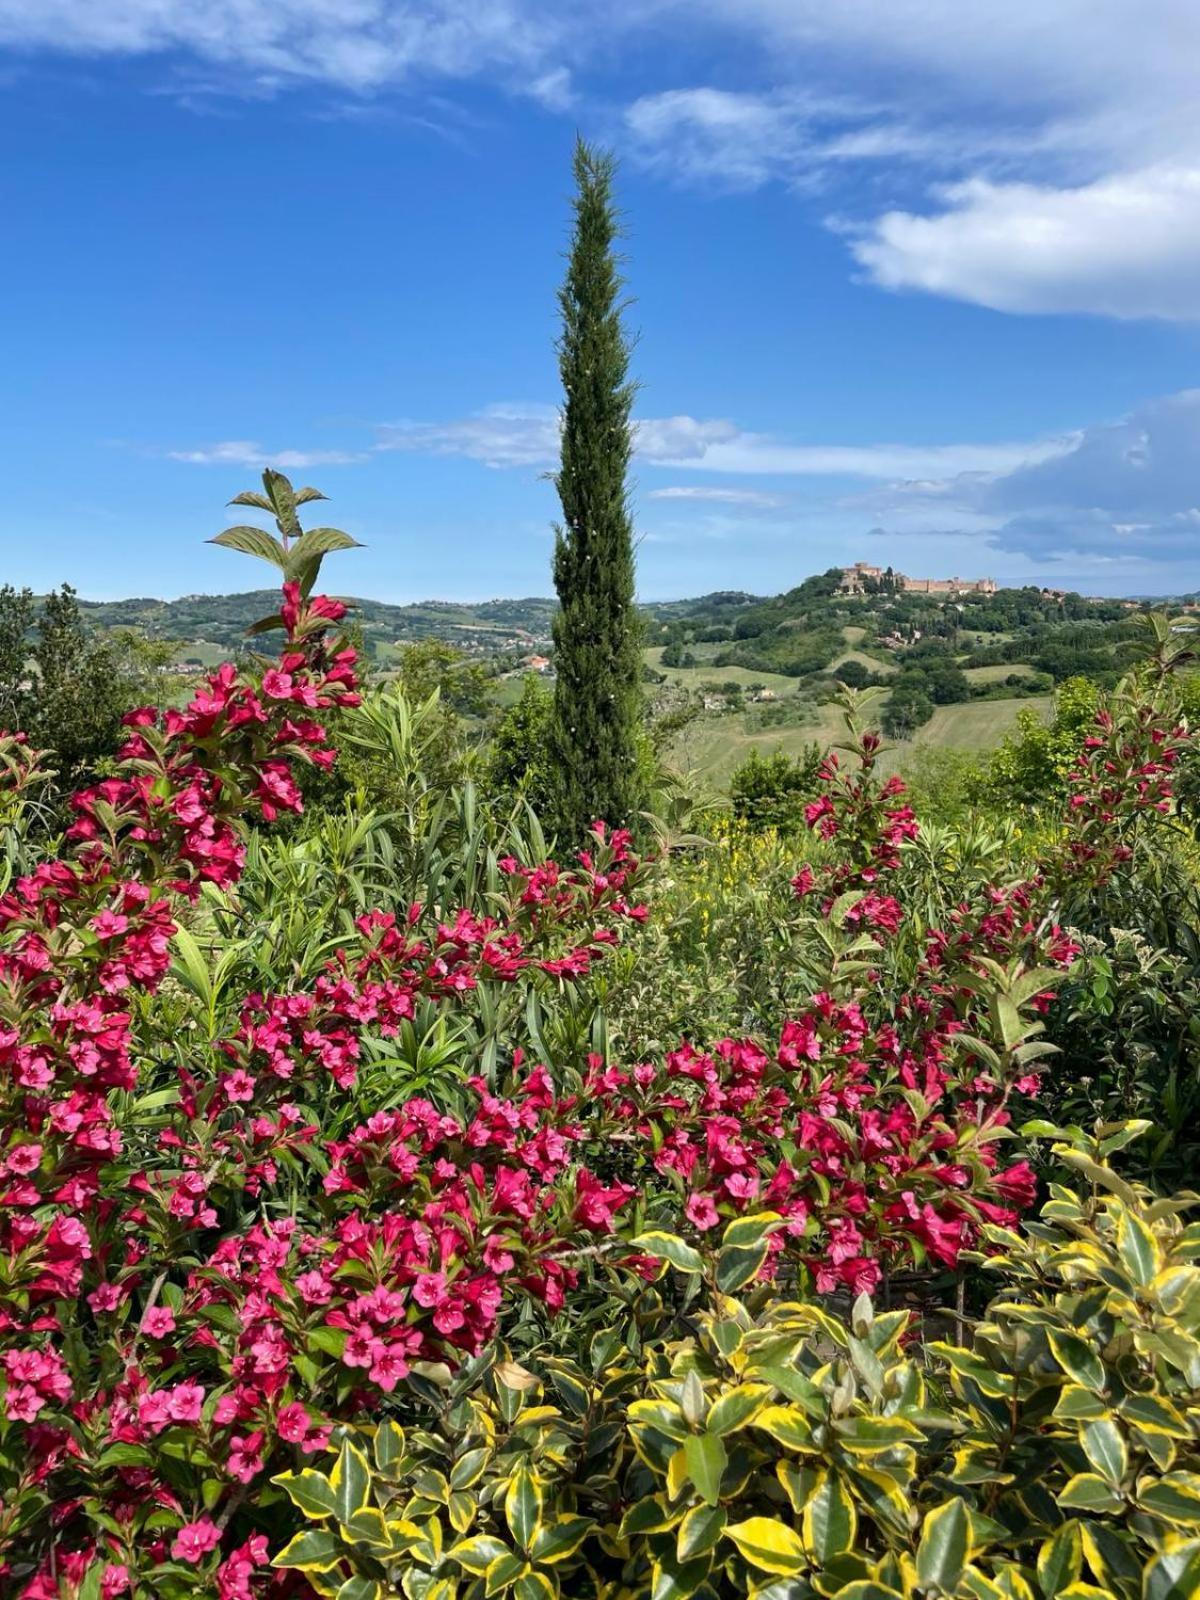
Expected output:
(597, 694)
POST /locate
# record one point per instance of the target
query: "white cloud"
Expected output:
(752, 499)
(359, 45)
(249, 453)
(1124, 246)
(737, 140)
(526, 435)
(1044, 157)
(1121, 492)
(1028, 155)
(504, 435)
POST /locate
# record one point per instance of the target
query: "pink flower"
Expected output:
(22, 1403)
(185, 1402)
(245, 1458)
(293, 1422)
(24, 1159)
(237, 1086)
(106, 1298)
(158, 1322)
(194, 1541)
(701, 1211)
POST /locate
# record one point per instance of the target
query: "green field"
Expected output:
(693, 677)
(864, 660)
(712, 747)
(997, 674)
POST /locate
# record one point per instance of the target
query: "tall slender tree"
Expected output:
(597, 694)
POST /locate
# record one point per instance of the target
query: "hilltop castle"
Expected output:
(862, 577)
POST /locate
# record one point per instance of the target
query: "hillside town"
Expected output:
(865, 578)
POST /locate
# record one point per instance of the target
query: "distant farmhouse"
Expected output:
(863, 578)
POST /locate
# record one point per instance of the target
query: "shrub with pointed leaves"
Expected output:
(785, 1452)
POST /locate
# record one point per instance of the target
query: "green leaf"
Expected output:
(669, 1580)
(535, 1586)
(1123, 1133)
(669, 1247)
(1175, 1574)
(1104, 1176)
(361, 1589)
(945, 1547)
(283, 501)
(1060, 1560)
(1077, 1360)
(389, 1445)
(650, 1515)
(746, 1232)
(1087, 1491)
(350, 1481)
(1138, 1248)
(699, 1531)
(311, 1491)
(706, 1461)
(1105, 1448)
(503, 1572)
(787, 1424)
(469, 1468)
(737, 1267)
(478, 1553)
(368, 1527)
(738, 1407)
(830, 1520)
(555, 1541)
(769, 1545)
(253, 542)
(318, 542)
(191, 967)
(314, 1550)
(523, 1505)
(1175, 1498)
(871, 1435)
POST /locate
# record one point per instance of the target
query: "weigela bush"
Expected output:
(206, 1264)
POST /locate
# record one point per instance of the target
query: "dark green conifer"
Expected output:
(597, 694)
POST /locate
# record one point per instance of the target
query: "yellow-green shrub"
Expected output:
(790, 1452)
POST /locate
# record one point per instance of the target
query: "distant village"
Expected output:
(863, 578)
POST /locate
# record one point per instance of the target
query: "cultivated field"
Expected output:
(712, 747)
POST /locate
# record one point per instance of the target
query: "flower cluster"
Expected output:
(168, 1335)
(214, 1251)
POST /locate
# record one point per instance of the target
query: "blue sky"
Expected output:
(916, 282)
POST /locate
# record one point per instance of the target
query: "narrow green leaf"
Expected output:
(945, 1547)
(706, 1462)
(523, 1505)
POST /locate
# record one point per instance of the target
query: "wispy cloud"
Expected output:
(752, 499)
(526, 435)
(1038, 157)
(263, 46)
(249, 453)
(508, 434)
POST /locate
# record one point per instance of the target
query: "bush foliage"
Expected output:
(390, 1206)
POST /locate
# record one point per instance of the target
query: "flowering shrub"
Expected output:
(167, 1332)
(214, 1250)
(780, 1449)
